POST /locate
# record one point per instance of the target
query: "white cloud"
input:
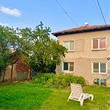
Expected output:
(13, 12)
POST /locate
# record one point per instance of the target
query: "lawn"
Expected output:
(28, 96)
(22, 96)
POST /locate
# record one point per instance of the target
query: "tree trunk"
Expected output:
(3, 76)
(30, 76)
(12, 73)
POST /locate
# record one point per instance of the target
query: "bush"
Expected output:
(79, 80)
(43, 78)
(58, 80)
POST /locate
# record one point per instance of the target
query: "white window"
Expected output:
(99, 67)
(99, 43)
(68, 66)
(69, 45)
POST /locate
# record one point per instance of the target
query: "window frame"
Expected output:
(69, 45)
(99, 39)
(99, 71)
(69, 65)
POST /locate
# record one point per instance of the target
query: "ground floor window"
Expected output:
(99, 67)
(68, 66)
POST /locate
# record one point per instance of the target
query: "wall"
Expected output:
(83, 56)
(22, 70)
(19, 71)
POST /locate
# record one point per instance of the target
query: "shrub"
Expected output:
(79, 80)
(58, 80)
(42, 78)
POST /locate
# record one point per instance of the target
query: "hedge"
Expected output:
(58, 80)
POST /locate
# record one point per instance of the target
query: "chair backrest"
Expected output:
(76, 90)
(103, 82)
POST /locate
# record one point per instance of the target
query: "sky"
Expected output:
(29, 13)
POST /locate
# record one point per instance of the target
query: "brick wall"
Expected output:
(19, 71)
(21, 67)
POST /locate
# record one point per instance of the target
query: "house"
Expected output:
(88, 52)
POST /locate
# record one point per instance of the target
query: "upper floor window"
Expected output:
(99, 43)
(99, 67)
(68, 66)
(69, 45)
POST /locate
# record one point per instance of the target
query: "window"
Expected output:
(99, 43)
(68, 66)
(95, 43)
(65, 66)
(96, 67)
(99, 68)
(69, 45)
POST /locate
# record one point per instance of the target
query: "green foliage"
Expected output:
(58, 81)
(43, 78)
(79, 80)
(41, 52)
(8, 39)
(36, 47)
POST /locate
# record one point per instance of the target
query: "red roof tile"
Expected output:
(82, 29)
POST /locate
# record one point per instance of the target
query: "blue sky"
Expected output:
(29, 13)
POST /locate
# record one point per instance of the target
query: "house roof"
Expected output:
(82, 29)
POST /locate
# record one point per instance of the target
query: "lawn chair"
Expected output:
(78, 95)
(96, 81)
(103, 82)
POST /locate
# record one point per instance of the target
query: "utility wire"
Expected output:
(70, 17)
(98, 10)
(101, 11)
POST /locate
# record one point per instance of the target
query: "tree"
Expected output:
(7, 41)
(41, 52)
(38, 50)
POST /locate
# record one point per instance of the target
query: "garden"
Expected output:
(45, 91)
(50, 92)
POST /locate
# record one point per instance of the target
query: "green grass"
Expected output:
(58, 100)
(28, 96)
(22, 96)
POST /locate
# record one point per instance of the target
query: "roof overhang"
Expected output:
(83, 29)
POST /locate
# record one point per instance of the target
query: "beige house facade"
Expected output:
(88, 52)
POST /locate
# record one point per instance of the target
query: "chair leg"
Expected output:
(91, 97)
(81, 102)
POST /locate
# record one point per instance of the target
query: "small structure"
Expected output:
(18, 71)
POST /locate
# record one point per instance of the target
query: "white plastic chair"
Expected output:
(78, 95)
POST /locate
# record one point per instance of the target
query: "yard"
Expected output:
(29, 96)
